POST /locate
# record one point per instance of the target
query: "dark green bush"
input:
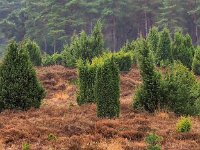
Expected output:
(153, 40)
(84, 47)
(86, 82)
(181, 90)
(148, 96)
(34, 52)
(196, 62)
(69, 58)
(107, 89)
(164, 52)
(123, 60)
(128, 47)
(55, 59)
(47, 60)
(183, 49)
(19, 86)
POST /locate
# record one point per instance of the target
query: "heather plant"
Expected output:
(184, 125)
(107, 89)
(19, 86)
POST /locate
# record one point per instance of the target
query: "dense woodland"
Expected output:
(51, 23)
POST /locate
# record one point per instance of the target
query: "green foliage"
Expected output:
(84, 46)
(123, 60)
(19, 86)
(165, 47)
(153, 39)
(107, 90)
(55, 59)
(34, 52)
(181, 90)
(153, 141)
(149, 94)
(86, 82)
(26, 146)
(128, 47)
(196, 62)
(183, 49)
(184, 125)
(96, 40)
(69, 58)
(52, 137)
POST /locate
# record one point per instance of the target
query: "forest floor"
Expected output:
(62, 125)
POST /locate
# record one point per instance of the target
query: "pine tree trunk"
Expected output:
(45, 44)
(146, 23)
(114, 34)
(54, 47)
(196, 33)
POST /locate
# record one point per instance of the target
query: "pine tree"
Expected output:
(165, 48)
(19, 86)
(34, 52)
(107, 90)
(148, 95)
(169, 15)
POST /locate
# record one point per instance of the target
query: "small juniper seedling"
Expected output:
(25, 146)
(52, 137)
(153, 141)
(184, 125)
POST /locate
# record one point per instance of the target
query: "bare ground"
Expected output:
(62, 125)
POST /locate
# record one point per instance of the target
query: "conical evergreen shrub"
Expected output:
(148, 96)
(153, 39)
(165, 48)
(34, 52)
(107, 89)
(183, 49)
(86, 82)
(19, 86)
(96, 40)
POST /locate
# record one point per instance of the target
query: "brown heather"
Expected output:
(78, 128)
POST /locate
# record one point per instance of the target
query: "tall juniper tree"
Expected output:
(165, 47)
(148, 95)
(19, 86)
